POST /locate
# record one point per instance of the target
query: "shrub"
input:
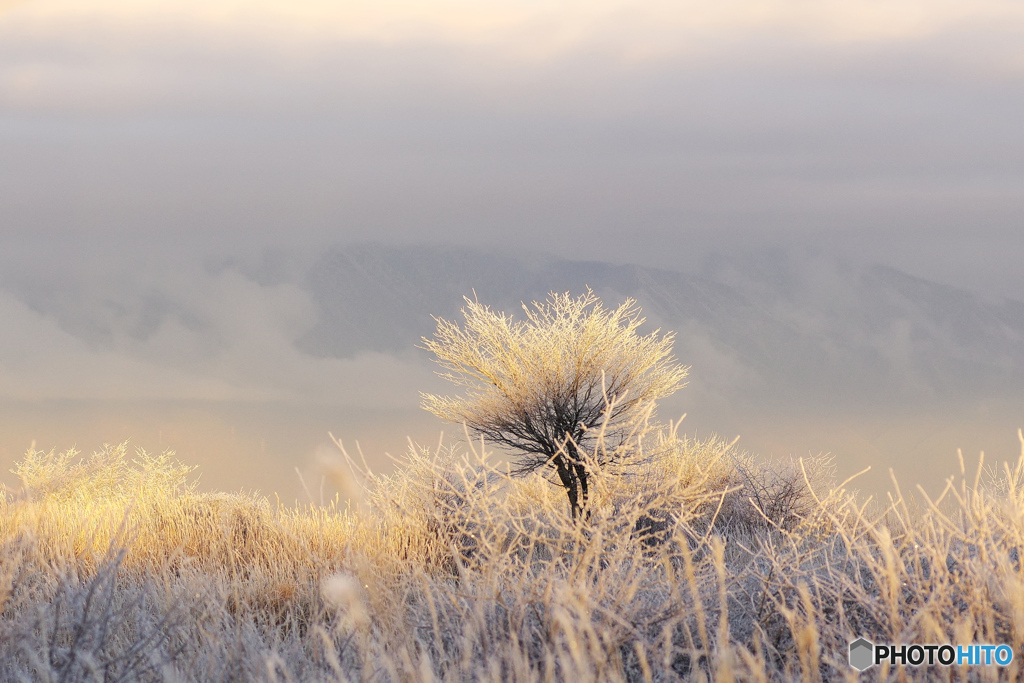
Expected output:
(551, 385)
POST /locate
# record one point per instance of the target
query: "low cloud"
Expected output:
(224, 337)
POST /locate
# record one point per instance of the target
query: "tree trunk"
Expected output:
(584, 489)
(567, 474)
(573, 475)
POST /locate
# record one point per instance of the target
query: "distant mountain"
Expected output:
(766, 326)
(803, 331)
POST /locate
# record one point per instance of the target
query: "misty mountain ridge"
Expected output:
(754, 326)
(821, 327)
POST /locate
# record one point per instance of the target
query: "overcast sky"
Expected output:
(631, 131)
(148, 136)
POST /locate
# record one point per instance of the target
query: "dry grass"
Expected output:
(696, 562)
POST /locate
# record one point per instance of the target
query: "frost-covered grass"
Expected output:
(695, 561)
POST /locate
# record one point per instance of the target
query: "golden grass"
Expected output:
(695, 562)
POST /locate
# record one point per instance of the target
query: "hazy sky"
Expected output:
(141, 138)
(642, 131)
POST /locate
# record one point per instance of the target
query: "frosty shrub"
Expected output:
(550, 385)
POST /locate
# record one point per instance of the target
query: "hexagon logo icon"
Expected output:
(861, 654)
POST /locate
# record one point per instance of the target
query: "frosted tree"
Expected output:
(547, 385)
